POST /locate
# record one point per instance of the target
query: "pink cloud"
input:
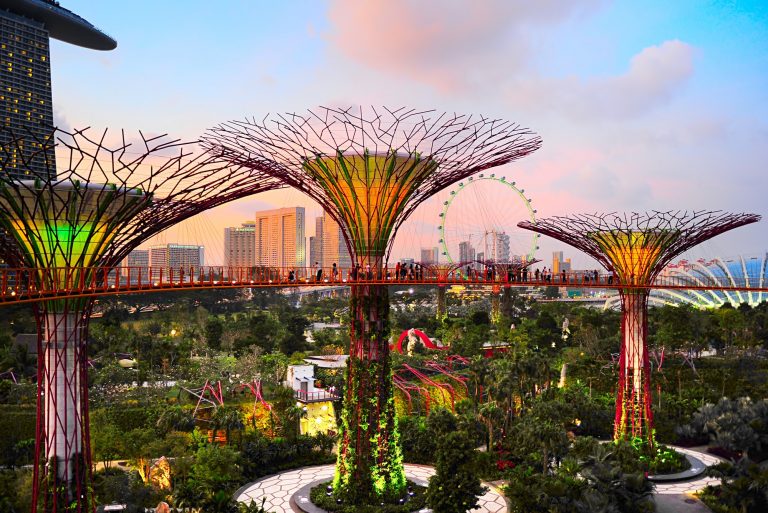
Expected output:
(655, 75)
(444, 43)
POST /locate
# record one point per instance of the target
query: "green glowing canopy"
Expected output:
(65, 224)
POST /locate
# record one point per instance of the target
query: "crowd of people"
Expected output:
(474, 273)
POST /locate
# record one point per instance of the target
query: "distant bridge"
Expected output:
(23, 285)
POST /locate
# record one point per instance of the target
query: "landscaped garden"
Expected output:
(513, 416)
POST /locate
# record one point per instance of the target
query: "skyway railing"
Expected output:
(30, 284)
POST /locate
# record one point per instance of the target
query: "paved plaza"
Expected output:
(279, 488)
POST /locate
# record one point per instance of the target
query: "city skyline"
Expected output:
(659, 106)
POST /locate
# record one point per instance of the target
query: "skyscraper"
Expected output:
(502, 248)
(280, 239)
(240, 245)
(25, 75)
(316, 242)
(334, 247)
(558, 264)
(466, 252)
(429, 256)
(137, 262)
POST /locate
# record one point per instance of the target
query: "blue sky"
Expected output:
(641, 105)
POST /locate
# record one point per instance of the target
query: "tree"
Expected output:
(106, 442)
(454, 488)
(228, 418)
(214, 329)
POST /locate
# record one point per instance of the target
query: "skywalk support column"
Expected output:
(633, 399)
(369, 455)
(63, 386)
(441, 311)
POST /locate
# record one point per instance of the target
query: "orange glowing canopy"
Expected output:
(634, 254)
(370, 192)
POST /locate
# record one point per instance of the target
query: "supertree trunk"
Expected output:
(62, 437)
(369, 464)
(496, 305)
(634, 418)
(442, 311)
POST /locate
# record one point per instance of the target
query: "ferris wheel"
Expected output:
(479, 220)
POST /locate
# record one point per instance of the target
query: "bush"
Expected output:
(262, 456)
(319, 497)
(743, 488)
(417, 443)
(738, 425)
(637, 456)
(454, 488)
(17, 424)
(594, 481)
(118, 486)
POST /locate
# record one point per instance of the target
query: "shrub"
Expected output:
(743, 488)
(263, 456)
(454, 488)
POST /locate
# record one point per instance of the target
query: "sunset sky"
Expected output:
(641, 105)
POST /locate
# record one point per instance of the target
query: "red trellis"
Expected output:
(635, 248)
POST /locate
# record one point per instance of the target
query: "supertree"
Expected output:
(442, 272)
(635, 247)
(369, 169)
(98, 201)
(504, 273)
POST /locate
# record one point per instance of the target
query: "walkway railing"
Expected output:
(316, 396)
(30, 284)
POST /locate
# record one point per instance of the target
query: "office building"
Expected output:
(559, 264)
(137, 263)
(316, 242)
(176, 256)
(26, 108)
(335, 249)
(279, 238)
(240, 245)
(466, 252)
(429, 256)
(502, 248)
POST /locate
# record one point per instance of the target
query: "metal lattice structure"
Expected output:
(635, 248)
(369, 169)
(103, 200)
(506, 272)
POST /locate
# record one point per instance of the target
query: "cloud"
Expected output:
(655, 76)
(449, 44)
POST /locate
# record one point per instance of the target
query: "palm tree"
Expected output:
(227, 418)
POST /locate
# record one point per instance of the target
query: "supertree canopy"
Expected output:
(369, 169)
(506, 272)
(635, 248)
(101, 202)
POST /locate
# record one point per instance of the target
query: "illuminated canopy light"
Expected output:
(66, 224)
(633, 254)
(370, 192)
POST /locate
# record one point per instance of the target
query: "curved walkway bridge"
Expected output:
(23, 285)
